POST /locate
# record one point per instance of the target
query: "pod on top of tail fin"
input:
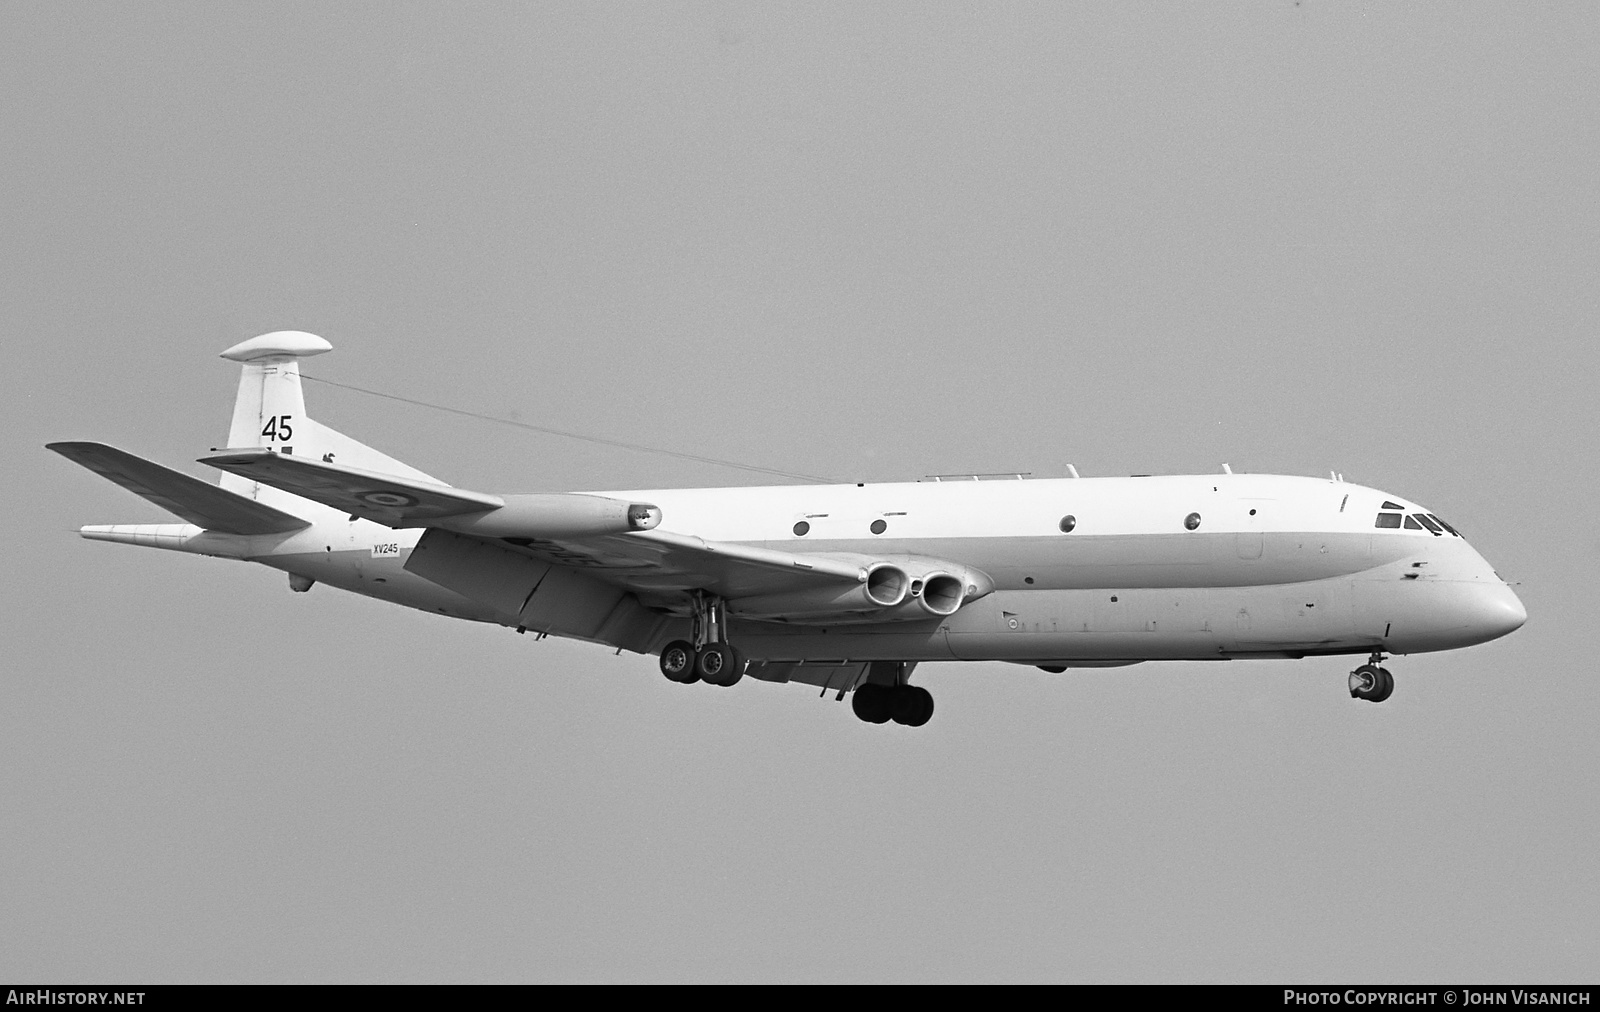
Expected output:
(278, 344)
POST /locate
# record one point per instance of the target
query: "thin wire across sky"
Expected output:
(546, 430)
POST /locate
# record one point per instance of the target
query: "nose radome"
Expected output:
(1497, 611)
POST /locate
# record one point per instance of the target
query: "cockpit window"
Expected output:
(1392, 506)
(1413, 522)
(1430, 525)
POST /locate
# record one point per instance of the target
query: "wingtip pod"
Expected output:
(556, 515)
(278, 344)
(402, 502)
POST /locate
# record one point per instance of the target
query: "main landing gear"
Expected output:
(886, 696)
(910, 705)
(1370, 682)
(710, 658)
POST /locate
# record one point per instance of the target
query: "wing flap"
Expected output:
(660, 566)
(827, 675)
(196, 501)
(383, 498)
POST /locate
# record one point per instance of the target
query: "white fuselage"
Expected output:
(1274, 566)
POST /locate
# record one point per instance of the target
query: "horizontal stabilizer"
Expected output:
(196, 501)
(382, 498)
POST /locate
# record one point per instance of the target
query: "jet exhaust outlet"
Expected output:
(883, 588)
(887, 585)
(942, 593)
(938, 587)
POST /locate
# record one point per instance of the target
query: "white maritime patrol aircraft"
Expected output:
(843, 587)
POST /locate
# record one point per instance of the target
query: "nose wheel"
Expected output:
(1370, 682)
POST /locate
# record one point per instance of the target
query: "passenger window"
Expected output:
(1388, 520)
(1412, 525)
(1430, 525)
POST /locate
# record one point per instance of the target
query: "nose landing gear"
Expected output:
(1370, 682)
(710, 658)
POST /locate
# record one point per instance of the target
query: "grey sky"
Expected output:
(867, 242)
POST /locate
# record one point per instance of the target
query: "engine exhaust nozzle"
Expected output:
(942, 593)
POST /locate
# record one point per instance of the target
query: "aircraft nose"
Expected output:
(1497, 611)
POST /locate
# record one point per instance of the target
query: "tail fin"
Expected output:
(270, 412)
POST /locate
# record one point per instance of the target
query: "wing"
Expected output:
(659, 560)
(382, 498)
(659, 566)
(647, 561)
(196, 501)
(663, 569)
(611, 542)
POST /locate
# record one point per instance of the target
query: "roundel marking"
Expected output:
(389, 499)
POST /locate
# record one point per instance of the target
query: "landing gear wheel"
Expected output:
(912, 705)
(1386, 689)
(677, 662)
(872, 703)
(719, 664)
(1372, 683)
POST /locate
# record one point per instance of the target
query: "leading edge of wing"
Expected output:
(186, 496)
(661, 565)
(765, 558)
(382, 498)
